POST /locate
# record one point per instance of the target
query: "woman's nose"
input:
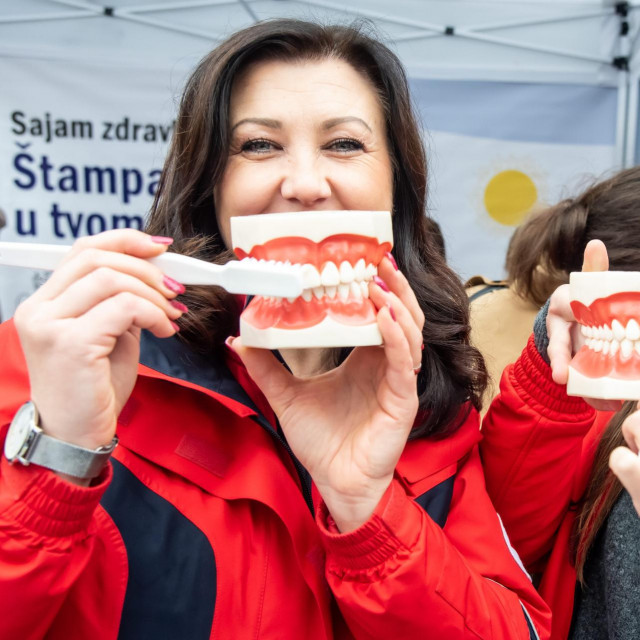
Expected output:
(306, 182)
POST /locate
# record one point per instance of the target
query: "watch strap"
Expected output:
(68, 458)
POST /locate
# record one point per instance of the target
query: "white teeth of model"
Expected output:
(364, 286)
(330, 276)
(633, 330)
(615, 345)
(597, 346)
(626, 348)
(291, 299)
(343, 291)
(346, 273)
(310, 276)
(318, 292)
(605, 347)
(618, 331)
(331, 291)
(600, 333)
(608, 334)
(584, 330)
(306, 295)
(355, 291)
(370, 271)
(359, 270)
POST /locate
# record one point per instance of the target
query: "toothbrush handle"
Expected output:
(35, 256)
(48, 256)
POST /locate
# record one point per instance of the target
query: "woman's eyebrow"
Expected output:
(265, 122)
(334, 122)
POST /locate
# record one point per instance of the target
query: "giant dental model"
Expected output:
(339, 252)
(607, 307)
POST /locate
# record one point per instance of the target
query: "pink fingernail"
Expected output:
(176, 328)
(161, 240)
(381, 283)
(392, 312)
(392, 260)
(179, 306)
(173, 285)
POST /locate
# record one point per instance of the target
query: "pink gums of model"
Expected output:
(606, 304)
(339, 252)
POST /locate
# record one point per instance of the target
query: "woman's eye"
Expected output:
(258, 146)
(346, 145)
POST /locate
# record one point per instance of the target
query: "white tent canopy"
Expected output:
(498, 82)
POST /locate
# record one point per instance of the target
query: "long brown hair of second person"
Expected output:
(542, 254)
(453, 372)
(550, 243)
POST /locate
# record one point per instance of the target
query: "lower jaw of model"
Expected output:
(339, 253)
(607, 307)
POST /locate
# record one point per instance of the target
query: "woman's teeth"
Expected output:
(343, 280)
(609, 340)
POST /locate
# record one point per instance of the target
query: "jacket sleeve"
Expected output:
(46, 528)
(531, 449)
(400, 575)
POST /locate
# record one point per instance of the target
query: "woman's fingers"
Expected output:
(400, 376)
(93, 259)
(383, 296)
(595, 256)
(127, 241)
(626, 465)
(101, 284)
(115, 315)
(631, 430)
(560, 320)
(398, 283)
(277, 384)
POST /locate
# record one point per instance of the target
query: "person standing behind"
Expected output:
(552, 461)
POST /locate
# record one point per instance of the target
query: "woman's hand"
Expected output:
(349, 426)
(625, 463)
(565, 338)
(80, 332)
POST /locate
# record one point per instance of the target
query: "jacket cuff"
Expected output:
(533, 375)
(41, 502)
(392, 529)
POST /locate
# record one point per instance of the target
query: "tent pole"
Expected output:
(632, 122)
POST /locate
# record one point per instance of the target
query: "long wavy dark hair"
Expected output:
(453, 374)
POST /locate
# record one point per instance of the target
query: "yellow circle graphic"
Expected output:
(509, 196)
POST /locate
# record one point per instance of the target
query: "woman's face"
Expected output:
(304, 136)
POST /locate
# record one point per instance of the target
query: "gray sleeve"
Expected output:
(622, 570)
(540, 336)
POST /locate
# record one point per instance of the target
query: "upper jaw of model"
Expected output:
(339, 253)
(606, 304)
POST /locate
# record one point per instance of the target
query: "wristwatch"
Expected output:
(27, 443)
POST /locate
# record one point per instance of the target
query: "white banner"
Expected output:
(81, 150)
(499, 150)
(82, 145)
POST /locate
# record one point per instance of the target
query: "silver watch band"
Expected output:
(68, 458)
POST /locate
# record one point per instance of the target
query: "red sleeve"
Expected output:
(532, 443)
(46, 523)
(402, 576)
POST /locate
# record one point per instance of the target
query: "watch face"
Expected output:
(19, 430)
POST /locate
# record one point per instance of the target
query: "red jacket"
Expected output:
(538, 448)
(203, 527)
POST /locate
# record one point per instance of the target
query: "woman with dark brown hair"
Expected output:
(547, 455)
(302, 494)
